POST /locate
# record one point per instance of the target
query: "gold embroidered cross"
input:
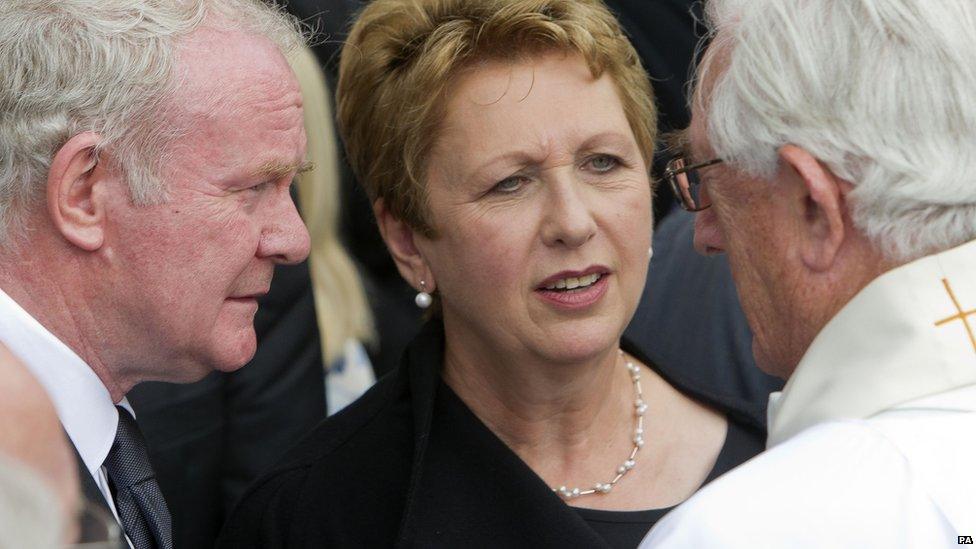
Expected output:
(961, 315)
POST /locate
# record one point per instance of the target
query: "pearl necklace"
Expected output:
(640, 409)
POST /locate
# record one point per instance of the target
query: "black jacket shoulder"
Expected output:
(311, 497)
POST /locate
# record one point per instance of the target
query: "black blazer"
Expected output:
(410, 465)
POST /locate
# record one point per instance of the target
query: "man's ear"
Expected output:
(821, 211)
(72, 203)
(400, 238)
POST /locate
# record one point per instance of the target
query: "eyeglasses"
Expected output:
(686, 183)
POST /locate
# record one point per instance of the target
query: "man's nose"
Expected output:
(568, 218)
(285, 238)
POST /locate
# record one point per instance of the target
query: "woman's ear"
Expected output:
(74, 206)
(820, 214)
(400, 238)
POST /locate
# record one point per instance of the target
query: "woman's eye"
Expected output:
(603, 163)
(509, 184)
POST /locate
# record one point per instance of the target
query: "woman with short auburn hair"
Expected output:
(506, 146)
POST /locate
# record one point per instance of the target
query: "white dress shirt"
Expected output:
(83, 404)
(872, 442)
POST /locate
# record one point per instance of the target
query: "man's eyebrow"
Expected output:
(276, 170)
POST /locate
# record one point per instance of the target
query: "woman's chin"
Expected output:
(578, 342)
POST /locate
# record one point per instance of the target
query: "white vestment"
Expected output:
(872, 442)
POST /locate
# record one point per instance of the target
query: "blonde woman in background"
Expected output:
(343, 314)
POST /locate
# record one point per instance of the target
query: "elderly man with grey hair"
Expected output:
(146, 154)
(832, 156)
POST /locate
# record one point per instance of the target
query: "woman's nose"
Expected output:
(569, 217)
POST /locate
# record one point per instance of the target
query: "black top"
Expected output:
(626, 529)
(409, 465)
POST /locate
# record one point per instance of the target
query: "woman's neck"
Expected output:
(554, 416)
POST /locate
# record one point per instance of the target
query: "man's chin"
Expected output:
(235, 359)
(231, 355)
(226, 358)
(200, 370)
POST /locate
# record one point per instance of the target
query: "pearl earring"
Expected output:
(423, 299)
(650, 252)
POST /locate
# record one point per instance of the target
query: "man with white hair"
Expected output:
(832, 156)
(146, 154)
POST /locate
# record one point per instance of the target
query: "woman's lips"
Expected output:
(579, 298)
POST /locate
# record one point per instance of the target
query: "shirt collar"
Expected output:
(82, 401)
(884, 347)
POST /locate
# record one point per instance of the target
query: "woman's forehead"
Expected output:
(541, 100)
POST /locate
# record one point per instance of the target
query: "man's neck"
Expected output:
(56, 301)
(827, 293)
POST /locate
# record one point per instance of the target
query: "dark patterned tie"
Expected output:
(138, 499)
